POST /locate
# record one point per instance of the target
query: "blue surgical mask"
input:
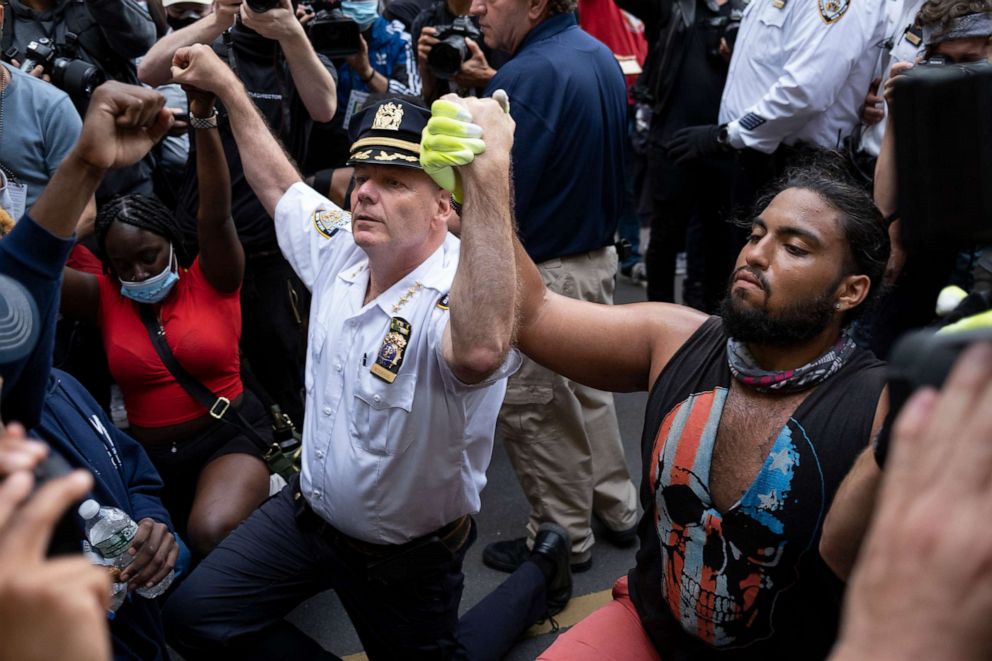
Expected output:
(362, 12)
(155, 288)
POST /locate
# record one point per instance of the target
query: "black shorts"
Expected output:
(180, 463)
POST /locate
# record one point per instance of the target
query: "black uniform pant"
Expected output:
(403, 605)
(677, 198)
(275, 308)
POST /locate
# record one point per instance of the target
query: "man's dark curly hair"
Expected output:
(862, 223)
(939, 13)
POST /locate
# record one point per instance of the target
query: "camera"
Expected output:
(944, 154)
(75, 77)
(446, 57)
(921, 358)
(262, 6)
(331, 33)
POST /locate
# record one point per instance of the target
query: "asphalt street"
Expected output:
(503, 516)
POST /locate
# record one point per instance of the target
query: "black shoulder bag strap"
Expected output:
(218, 407)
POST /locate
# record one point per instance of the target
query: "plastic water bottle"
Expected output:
(110, 532)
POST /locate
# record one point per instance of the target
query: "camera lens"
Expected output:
(445, 58)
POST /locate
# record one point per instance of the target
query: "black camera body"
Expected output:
(76, 78)
(944, 154)
(446, 57)
(262, 6)
(331, 33)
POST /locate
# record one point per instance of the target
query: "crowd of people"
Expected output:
(274, 275)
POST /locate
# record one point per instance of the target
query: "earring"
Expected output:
(836, 306)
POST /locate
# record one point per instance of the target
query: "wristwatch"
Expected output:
(208, 122)
(723, 137)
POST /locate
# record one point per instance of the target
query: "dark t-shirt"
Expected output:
(747, 583)
(261, 66)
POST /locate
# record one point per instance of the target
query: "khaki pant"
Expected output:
(562, 437)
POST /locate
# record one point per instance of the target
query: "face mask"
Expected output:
(155, 288)
(188, 17)
(362, 12)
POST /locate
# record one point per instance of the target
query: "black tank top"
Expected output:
(750, 582)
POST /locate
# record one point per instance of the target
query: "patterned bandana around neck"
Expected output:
(745, 369)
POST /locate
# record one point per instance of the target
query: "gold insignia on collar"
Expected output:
(388, 117)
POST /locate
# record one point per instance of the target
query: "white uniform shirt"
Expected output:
(800, 71)
(383, 462)
(901, 45)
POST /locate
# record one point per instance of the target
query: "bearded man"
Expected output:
(753, 420)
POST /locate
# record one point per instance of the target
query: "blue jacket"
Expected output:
(391, 54)
(35, 258)
(75, 426)
(569, 101)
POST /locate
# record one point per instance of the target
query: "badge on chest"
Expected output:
(390, 357)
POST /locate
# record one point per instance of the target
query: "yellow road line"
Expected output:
(577, 609)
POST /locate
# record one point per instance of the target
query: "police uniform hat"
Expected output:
(388, 133)
(18, 321)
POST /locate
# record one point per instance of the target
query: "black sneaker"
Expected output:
(619, 538)
(507, 556)
(553, 544)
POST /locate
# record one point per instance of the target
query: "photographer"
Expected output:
(106, 33)
(953, 32)
(38, 127)
(294, 88)
(383, 63)
(478, 62)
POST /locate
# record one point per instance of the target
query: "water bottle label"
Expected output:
(117, 543)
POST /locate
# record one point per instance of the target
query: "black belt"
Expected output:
(452, 535)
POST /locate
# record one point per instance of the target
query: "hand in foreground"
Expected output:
(895, 78)
(922, 588)
(49, 609)
(694, 142)
(155, 553)
(199, 67)
(17, 453)
(122, 124)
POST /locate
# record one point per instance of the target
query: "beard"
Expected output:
(793, 325)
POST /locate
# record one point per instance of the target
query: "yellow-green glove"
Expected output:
(450, 139)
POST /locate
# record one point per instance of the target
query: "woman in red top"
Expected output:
(214, 477)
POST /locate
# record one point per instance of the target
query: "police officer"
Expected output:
(409, 351)
(797, 79)
(903, 43)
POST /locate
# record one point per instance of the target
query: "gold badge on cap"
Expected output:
(390, 358)
(388, 117)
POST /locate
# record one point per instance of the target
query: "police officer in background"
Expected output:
(797, 78)
(408, 356)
